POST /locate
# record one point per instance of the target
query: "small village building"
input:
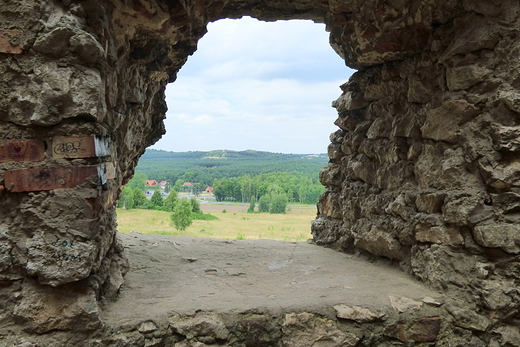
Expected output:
(151, 183)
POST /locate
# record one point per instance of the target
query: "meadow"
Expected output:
(233, 224)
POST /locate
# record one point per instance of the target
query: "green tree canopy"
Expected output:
(278, 203)
(195, 205)
(251, 208)
(138, 181)
(139, 197)
(171, 200)
(181, 215)
(128, 199)
(157, 199)
(263, 203)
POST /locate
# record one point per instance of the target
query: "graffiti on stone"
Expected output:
(79, 147)
(63, 248)
(22, 150)
(47, 178)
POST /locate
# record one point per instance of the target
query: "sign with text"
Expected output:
(79, 147)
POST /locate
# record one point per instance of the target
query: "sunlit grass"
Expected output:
(235, 224)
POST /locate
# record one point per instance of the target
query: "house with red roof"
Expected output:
(151, 183)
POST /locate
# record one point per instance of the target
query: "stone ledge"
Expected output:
(184, 291)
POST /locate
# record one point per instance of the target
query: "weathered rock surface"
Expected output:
(197, 292)
(424, 169)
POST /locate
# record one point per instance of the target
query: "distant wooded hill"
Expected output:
(204, 167)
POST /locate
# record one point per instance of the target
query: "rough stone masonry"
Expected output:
(424, 170)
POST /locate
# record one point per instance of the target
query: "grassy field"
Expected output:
(235, 224)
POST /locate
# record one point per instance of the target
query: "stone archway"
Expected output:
(423, 171)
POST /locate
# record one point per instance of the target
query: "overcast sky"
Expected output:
(256, 85)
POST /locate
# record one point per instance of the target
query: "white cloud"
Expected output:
(256, 85)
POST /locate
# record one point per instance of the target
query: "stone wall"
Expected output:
(424, 170)
(425, 167)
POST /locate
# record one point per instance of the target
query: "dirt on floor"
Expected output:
(185, 274)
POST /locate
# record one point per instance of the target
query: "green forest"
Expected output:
(241, 176)
(204, 167)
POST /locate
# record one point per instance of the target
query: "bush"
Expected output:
(195, 205)
(181, 215)
(278, 203)
(263, 203)
(251, 208)
(203, 216)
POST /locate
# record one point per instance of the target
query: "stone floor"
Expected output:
(180, 276)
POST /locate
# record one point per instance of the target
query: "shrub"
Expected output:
(278, 203)
(195, 205)
(263, 203)
(203, 216)
(181, 215)
(251, 208)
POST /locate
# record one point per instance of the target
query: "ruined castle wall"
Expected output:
(425, 167)
(81, 97)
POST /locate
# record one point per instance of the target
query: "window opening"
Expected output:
(250, 86)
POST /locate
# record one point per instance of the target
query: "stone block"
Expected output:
(11, 41)
(147, 327)
(380, 128)
(331, 174)
(458, 210)
(55, 42)
(356, 313)
(56, 258)
(207, 325)
(505, 236)
(381, 243)
(44, 309)
(307, 330)
(47, 178)
(429, 202)
(403, 304)
(79, 147)
(467, 319)
(349, 101)
(464, 77)
(22, 150)
(438, 234)
(506, 202)
(501, 176)
(88, 48)
(476, 34)
(329, 206)
(511, 99)
(507, 139)
(442, 123)
(421, 330)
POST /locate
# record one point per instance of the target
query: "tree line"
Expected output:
(247, 188)
(204, 167)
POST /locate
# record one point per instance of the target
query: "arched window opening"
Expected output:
(250, 86)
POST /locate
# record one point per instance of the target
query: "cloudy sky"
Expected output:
(256, 85)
